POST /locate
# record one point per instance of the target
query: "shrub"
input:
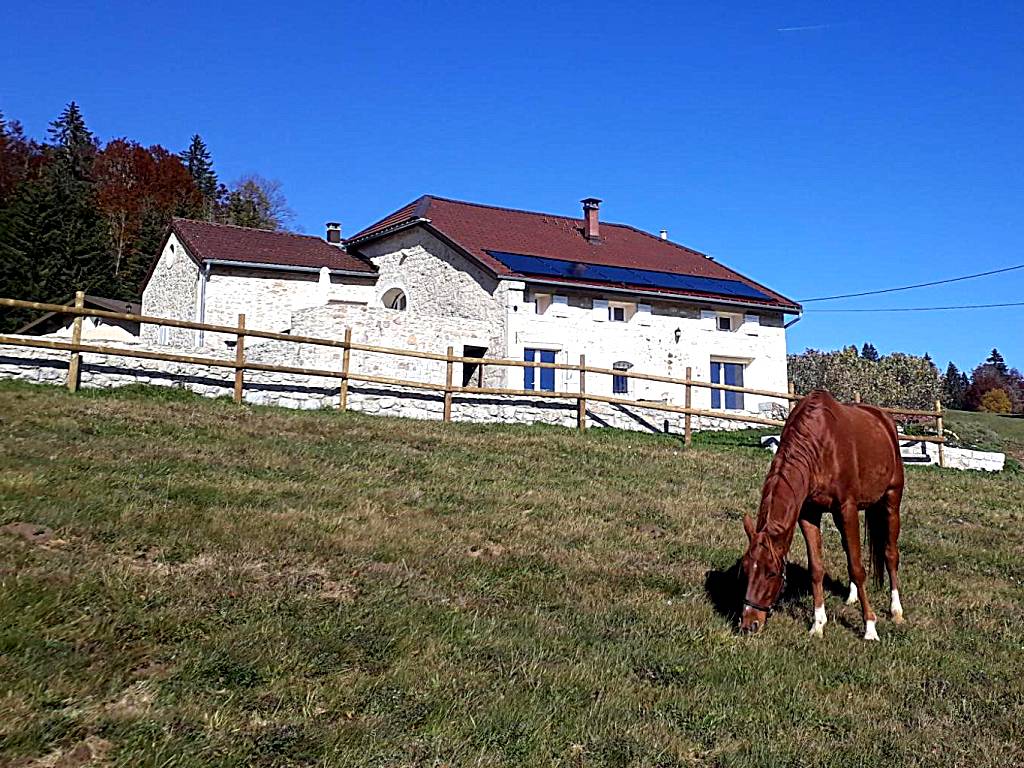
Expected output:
(896, 380)
(996, 401)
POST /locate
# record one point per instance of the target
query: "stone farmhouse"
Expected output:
(492, 282)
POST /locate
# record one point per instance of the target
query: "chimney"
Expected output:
(664, 234)
(590, 225)
(334, 232)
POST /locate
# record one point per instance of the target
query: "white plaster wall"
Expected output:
(648, 341)
(172, 292)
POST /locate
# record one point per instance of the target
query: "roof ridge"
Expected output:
(506, 208)
(570, 218)
(247, 229)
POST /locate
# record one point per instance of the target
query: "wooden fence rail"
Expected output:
(240, 333)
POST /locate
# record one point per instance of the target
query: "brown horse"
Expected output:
(836, 458)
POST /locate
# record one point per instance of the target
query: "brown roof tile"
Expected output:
(206, 241)
(477, 228)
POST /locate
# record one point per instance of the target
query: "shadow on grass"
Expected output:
(725, 589)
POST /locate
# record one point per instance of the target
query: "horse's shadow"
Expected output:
(725, 590)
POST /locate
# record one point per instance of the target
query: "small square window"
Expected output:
(617, 314)
(724, 323)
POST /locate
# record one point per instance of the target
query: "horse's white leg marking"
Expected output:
(820, 620)
(852, 599)
(896, 608)
(870, 633)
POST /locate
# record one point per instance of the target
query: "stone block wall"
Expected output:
(314, 392)
(172, 292)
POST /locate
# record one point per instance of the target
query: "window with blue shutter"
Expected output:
(727, 373)
(620, 384)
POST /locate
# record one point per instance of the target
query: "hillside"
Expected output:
(248, 586)
(989, 431)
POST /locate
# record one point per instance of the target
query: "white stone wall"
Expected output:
(915, 452)
(268, 298)
(311, 392)
(439, 282)
(392, 328)
(172, 292)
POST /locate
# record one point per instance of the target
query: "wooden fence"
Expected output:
(240, 365)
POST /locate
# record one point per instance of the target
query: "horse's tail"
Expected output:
(876, 531)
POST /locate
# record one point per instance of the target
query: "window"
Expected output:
(546, 376)
(620, 384)
(620, 311)
(727, 373)
(394, 299)
(163, 335)
(724, 323)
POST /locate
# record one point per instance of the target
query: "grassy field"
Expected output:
(989, 431)
(246, 586)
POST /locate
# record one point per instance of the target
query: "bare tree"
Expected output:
(258, 202)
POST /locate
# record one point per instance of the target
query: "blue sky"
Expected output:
(821, 148)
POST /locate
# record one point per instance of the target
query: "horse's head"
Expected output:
(766, 577)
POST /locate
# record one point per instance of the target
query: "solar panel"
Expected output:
(641, 278)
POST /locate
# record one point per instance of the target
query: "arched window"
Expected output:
(394, 299)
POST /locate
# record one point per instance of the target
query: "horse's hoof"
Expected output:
(817, 630)
(897, 617)
(870, 633)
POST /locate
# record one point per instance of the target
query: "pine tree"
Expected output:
(74, 146)
(996, 361)
(868, 352)
(954, 388)
(200, 167)
(52, 224)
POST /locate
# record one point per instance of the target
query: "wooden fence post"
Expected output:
(449, 366)
(343, 394)
(687, 437)
(240, 359)
(581, 403)
(940, 431)
(856, 397)
(76, 338)
(792, 392)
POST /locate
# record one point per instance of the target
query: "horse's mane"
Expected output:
(798, 456)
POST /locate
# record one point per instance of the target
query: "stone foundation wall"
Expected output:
(312, 392)
(927, 454)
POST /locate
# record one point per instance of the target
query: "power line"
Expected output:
(916, 285)
(923, 309)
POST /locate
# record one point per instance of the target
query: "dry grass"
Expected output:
(237, 586)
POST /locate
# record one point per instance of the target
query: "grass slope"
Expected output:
(989, 431)
(246, 586)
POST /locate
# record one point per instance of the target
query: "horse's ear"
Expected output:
(748, 526)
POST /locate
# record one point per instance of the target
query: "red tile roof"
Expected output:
(476, 228)
(208, 241)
